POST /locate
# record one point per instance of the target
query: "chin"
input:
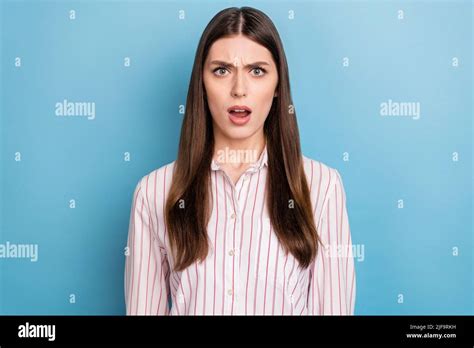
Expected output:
(239, 134)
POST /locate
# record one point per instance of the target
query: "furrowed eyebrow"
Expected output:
(231, 65)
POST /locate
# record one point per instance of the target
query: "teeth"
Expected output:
(235, 110)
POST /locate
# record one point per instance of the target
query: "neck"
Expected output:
(238, 152)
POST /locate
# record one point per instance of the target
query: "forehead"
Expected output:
(228, 48)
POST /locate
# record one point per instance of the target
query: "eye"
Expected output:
(219, 69)
(261, 70)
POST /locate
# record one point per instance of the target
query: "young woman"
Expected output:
(267, 233)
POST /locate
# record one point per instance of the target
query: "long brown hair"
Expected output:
(288, 198)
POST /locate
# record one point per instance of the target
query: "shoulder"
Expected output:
(320, 175)
(324, 182)
(156, 182)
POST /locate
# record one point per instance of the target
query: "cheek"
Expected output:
(215, 94)
(264, 90)
(264, 98)
(215, 105)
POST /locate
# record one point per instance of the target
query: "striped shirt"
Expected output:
(246, 271)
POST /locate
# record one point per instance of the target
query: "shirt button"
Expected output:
(232, 216)
(230, 292)
(231, 252)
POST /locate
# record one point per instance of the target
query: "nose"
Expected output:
(239, 88)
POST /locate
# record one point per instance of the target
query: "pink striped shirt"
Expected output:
(246, 271)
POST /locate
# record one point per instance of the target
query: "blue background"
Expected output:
(407, 251)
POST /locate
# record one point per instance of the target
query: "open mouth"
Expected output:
(244, 113)
(239, 118)
(239, 114)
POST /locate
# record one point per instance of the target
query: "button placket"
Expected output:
(232, 264)
(232, 240)
(245, 187)
(234, 260)
(180, 298)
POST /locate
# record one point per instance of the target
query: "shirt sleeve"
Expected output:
(332, 284)
(146, 267)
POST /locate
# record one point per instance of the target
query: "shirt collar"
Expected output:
(259, 164)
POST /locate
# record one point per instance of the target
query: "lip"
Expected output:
(239, 107)
(239, 120)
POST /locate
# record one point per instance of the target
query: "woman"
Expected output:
(242, 222)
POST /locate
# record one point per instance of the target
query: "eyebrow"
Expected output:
(230, 65)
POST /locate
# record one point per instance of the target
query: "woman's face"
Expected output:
(239, 72)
